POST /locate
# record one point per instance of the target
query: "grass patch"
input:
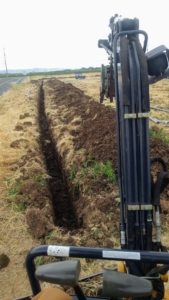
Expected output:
(52, 236)
(163, 229)
(77, 184)
(97, 169)
(90, 160)
(18, 206)
(79, 151)
(40, 179)
(15, 87)
(90, 170)
(159, 135)
(73, 172)
(96, 232)
(13, 186)
(14, 190)
(40, 261)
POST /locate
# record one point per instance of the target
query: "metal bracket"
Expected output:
(140, 207)
(146, 207)
(133, 207)
(129, 116)
(139, 115)
(143, 115)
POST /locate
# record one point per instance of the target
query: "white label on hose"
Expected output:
(121, 255)
(61, 251)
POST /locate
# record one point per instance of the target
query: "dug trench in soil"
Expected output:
(64, 214)
(83, 132)
(83, 129)
(79, 133)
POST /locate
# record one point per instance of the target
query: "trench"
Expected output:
(63, 210)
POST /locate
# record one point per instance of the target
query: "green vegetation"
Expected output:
(76, 186)
(79, 151)
(73, 172)
(40, 261)
(90, 169)
(159, 135)
(51, 73)
(12, 75)
(13, 187)
(109, 106)
(90, 160)
(18, 206)
(14, 190)
(99, 169)
(163, 229)
(40, 179)
(96, 232)
(52, 236)
(65, 72)
(105, 170)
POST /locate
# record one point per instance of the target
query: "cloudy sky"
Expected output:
(64, 33)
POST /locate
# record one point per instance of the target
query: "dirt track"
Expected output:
(54, 174)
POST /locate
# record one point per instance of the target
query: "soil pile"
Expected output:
(77, 146)
(59, 177)
(83, 133)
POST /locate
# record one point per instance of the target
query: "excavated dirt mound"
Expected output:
(78, 147)
(82, 134)
(62, 178)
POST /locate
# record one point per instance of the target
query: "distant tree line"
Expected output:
(66, 71)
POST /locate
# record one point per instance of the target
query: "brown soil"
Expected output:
(55, 182)
(79, 128)
(81, 124)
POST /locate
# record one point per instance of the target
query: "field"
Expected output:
(58, 171)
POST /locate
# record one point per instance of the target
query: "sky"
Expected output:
(65, 33)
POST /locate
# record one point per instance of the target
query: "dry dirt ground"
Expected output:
(58, 170)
